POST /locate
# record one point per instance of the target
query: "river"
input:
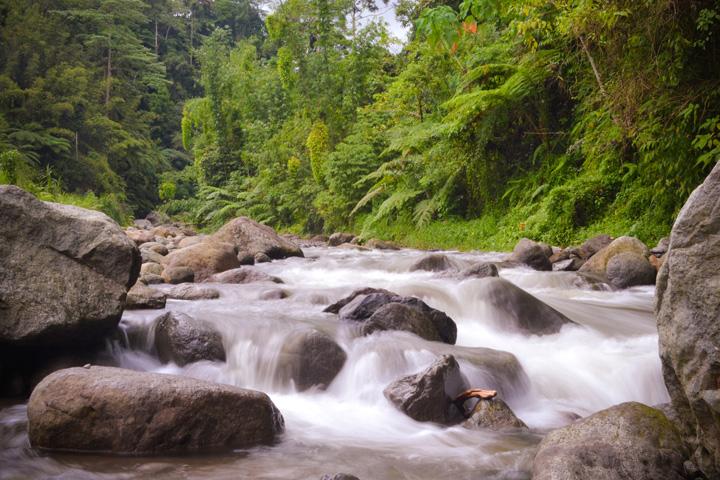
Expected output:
(611, 357)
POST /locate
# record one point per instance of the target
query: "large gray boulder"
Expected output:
(480, 270)
(629, 269)
(64, 274)
(204, 259)
(310, 358)
(250, 236)
(597, 264)
(113, 410)
(630, 441)
(432, 262)
(183, 339)
(396, 316)
(429, 395)
(141, 297)
(687, 308)
(518, 310)
(532, 254)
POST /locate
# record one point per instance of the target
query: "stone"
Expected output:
(246, 258)
(177, 275)
(151, 279)
(495, 415)
(337, 306)
(64, 273)
(428, 396)
(381, 244)
(157, 218)
(151, 268)
(432, 262)
(339, 476)
(532, 254)
(593, 245)
(310, 358)
(396, 316)
(143, 297)
(274, 294)
(142, 224)
(687, 308)
(480, 270)
(630, 441)
(338, 238)
(151, 256)
(250, 236)
(517, 310)
(190, 241)
(261, 258)
(629, 269)
(657, 262)
(139, 236)
(243, 275)
(113, 410)
(191, 291)
(662, 247)
(183, 339)
(571, 264)
(155, 247)
(597, 264)
(205, 259)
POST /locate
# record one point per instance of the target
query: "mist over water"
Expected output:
(609, 358)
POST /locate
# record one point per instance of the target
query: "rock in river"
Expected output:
(310, 358)
(113, 410)
(493, 414)
(250, 236)
(533, 254)
(183, 339)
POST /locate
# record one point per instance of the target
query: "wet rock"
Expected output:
(261, 258)
(183, 339)
(151, 268)
(243, 275)
(571, 264)
(428, 396)
(339, 238)
(597, 264)
(396, 316)
(480, 270)
(113, 410)
(250, 236)
(559, 256)
(518, 310)
(155, 247)
(310, 358)
(144, 297)
(381, 244)
(335, 307)
(64, 273)
(662, 247)
(205, 259)
(687, 308)
(339, 476)
(177, 275)
(151, 279)
(629, 269)
(593, 245)
(274, 294)
(151, 256)
(532, 254)
(432, 262)
(246, 258)
(494, 415)
(499, 370)
(191, 291)
(319, 239)
(627, 441)
(353, 246)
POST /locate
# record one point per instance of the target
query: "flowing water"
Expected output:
(609, 358)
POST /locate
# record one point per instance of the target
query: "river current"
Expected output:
(609, 358)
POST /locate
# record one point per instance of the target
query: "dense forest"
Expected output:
(497, 119)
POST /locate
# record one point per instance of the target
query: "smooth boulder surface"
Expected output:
(480, 270)
(432, 262)
(396, 316)
(177, 275)
(113, 410)
(242, 275)
(311, 358)
(205, 258)
(593, 245)
(629, 269)
(687, 308)
(381, 244)
(532, 254)
(250, 236)
(151, 268)
(191, 291)
(495, 415)
(428, 396)
(520, 311)
(630, 441)
(64, 274)
(597, 264)
(141, 297)
(338, 238)
(183, 339)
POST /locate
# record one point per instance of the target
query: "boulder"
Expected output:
(151, 279)
(662, 247)
(250, 236)
(157, 218)
(64, 273)
(142, 224)
(261, 258)
(571, 264)
(190, 241)
(151, 268)
(339, 238)
(152, 256)
(627, 441)
(246, 258)
(656, 262)
(593, 245)
(532, 254)
(243, 275)
(629, 269)
(183, 339)
(432, 262)
(520, 311)
(310, 358)
(428, 396)
(139, 236)
(177, 275)
(480, 270)
(155, 247)
(381, 244)
(113, 410)
(495, 415)
(191, 291)
(414, 316)
(597, 264)
(687, 308)
(335, 307)
(141, 296)
(205, 259)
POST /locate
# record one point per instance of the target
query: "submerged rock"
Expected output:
(396, 316)
(494, 415)
(250, 236)
(687, 307)
(205, 258)
(428, 396)
(141, 296)
(381, 244)
(532, 254)
(481, 270)
(261, 258)
(624, 442)
(113, 410)
(242, 275)
(310, 358)
(432, 262)
(190, 291)
(183, 339)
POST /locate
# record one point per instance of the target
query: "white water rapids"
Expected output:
(610, 358)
